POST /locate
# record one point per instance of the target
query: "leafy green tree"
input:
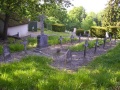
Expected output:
(111, 14)
(76, 15)
(89, 21)
(11, 9)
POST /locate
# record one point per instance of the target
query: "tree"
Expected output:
(111, 14)
(76, 15)
(89, 21)
(23, 8)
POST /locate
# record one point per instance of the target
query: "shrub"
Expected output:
(79, 31)
(58, 27)
(98, 31)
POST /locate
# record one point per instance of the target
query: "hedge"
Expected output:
(58, 27)
(79, 31)
(98, 31)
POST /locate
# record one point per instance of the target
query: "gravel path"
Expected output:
(59, 59)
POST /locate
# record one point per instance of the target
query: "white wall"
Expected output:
(22, 29)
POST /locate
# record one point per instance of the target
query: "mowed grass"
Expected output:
(35, 73)
(50, 33)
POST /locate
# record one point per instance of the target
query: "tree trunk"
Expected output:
(7, 16)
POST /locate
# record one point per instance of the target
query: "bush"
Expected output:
(79, 31)
(98, 31)
(58, 27)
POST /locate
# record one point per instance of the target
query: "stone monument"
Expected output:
(42, 39)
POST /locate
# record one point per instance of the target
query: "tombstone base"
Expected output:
(42, 41)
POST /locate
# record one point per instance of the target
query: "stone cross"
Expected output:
(6, 52)
(60, 40)
(85, 47)
(79, 37)
(42, 23)
(96, 45)
(104, 42)
(71, 37)
(25, 42)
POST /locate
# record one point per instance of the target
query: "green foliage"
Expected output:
(79, 31)
(111, 14)
(16, 47)
(58, 27)
(1, 48)
(88, 21)
(32, 42)
(98, 31)
(75, 17)
(54, 40)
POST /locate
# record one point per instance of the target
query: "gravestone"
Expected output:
(6, 53)
(104, 42)
(60, 40)
(74, 32)
(71, 38)
(25, 42)
(85, 47)
(88, 36)
(68, 55)
(115, 37)
(42, 40)
(96, 45)
(110, 37)
(106, 35)
(79, 37)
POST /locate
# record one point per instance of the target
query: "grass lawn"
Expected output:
(63, 34)
(34, 73)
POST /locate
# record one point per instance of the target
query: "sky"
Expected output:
(89, 5)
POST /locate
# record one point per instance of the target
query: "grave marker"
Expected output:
(71, 38)
(25, 42)
(68, 55)
(6, 53)
(85, 47)
(42, 40)
(104, 42)
(79, 37)
(96, 45)
(60, 40)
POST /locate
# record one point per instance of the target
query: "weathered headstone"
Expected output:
(96, 45)
(110, 37)
(106, 35)
(88, 36)
(42, 40)
(25, 42)
(104, 42)
(79, 37)
(115, 37)
(68, 55)
(71, 38)
(85, 47)
(6, 53)
(60, 40)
